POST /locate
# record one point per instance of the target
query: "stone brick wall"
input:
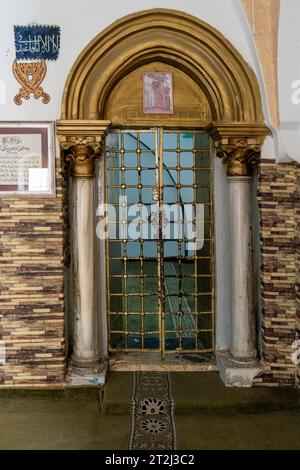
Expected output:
(32, 237)
(297, 222)
(277, 206)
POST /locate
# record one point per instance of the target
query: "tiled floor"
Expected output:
(208, 416)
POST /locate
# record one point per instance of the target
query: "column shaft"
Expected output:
(81, 144)
(85, 348)
(243, 315)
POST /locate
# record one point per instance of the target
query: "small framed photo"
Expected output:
(158, 93)
(27, 159)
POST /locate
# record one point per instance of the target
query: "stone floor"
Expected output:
(208, 416)
(53, 420)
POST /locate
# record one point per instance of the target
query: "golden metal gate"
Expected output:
(160, 244)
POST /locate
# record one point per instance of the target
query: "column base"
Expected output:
(237, 373)
(250, 359)
(83, 376)
(81, 363)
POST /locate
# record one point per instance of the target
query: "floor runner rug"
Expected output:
(152, 424)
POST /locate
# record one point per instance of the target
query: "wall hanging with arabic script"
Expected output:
(34, 45)
(37, 42)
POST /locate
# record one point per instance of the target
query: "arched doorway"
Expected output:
(214, 89)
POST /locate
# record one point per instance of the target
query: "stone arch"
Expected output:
(235, 122)
(170, 37)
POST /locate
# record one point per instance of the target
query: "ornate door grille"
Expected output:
(160, 274)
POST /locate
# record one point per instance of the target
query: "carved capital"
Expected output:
(238, 155)
(81, 157)
(238, 145)
(81, 144)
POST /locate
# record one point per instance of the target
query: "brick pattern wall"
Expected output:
(297, 242)
(32, 238)
(276, 199)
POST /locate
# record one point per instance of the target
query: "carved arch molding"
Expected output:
(182, 42)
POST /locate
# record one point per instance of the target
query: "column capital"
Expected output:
(81, 142)
(238, 145)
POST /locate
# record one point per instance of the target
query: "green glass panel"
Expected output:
(116, 303)
(134, 323)
(134, 303)
(117, 322)
(151, 303)
(204, 340)
(151, 323)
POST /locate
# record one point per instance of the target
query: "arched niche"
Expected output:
(172, 39)
(218, 90)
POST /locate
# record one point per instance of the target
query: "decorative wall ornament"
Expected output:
(30, 75)
(35, 44)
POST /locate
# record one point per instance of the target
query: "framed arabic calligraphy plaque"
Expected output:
(27, 162)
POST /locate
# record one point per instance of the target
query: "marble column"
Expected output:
(239, 157)
(85, 335)
(81, 144)
(238, 144)
(242, 294)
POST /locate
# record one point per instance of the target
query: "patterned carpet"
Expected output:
(153, 425)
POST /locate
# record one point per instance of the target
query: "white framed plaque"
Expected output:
(27, 160)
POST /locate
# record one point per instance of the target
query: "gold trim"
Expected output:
(238, 145)
(81, 128)
(125, 104)
(81, 157)
(81, 144)
(165, 36)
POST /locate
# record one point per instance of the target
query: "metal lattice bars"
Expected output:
(161, 292)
